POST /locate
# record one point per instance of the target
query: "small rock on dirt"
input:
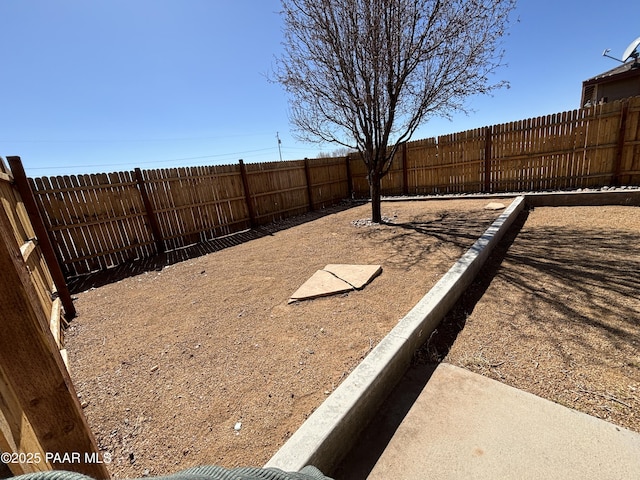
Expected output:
(494, 206)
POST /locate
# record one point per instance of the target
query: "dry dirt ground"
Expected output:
(168, 362)
(558, 313)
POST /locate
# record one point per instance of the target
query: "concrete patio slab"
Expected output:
(464, 425)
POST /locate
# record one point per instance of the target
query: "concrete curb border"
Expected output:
(583, 199)
(329, 433)
(612, 196)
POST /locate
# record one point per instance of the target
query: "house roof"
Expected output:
(628, 68)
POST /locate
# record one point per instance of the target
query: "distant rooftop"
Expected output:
(622, 68)
(622, 81)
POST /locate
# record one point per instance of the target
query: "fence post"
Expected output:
(349, 179)
(617, 164)
(29, 201)
(247, 194)
(151, 215)
(307, 173)
(405, 171)
(487, 159)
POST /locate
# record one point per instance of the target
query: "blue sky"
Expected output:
(107, 85)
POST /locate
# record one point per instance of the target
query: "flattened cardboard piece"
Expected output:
(334, 279)
(494, 206)
(356, 275)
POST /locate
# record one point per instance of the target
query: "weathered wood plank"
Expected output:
(33, 368)
(36, 225)
(16, 433)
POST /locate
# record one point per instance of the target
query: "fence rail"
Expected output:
(99, 221)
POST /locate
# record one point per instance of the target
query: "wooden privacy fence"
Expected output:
(99, 221)
(583, 148)
(39, 410)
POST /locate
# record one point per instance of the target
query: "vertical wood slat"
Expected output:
(247, 193)
(405, 171)
(149, 212)
(630, 163)
(44, 242)
(617, 164)
(349, 177)
(487, 159)
(307, 174)
(199, 209)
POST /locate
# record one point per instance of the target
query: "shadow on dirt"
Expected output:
(440, 342)
(413, 243)
(158, 262)
(585, 277)
(570, 271)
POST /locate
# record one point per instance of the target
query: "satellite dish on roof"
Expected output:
(632, 51)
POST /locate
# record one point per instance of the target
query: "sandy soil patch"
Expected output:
(204, 362)
(556, 312)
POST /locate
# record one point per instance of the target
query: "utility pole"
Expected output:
(279, 142)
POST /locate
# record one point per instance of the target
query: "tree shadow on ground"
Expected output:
(550, 266)
(592, 281)
(414, 243)
(440, 342)
(576, 274)
(158, 262)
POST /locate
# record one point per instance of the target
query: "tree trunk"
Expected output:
(374, 189)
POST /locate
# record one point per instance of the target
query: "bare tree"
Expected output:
(338, 152)
(365, 74)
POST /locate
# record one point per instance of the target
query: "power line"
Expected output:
(202, 157)
(130, 140)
